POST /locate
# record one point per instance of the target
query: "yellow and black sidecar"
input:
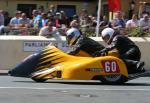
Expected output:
(52, 63)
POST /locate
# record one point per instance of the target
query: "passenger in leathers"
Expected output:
(128, 50)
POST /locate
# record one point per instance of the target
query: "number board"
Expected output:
(110, 66)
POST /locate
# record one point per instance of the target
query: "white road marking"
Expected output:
(36, 88)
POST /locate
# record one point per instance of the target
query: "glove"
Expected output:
(96, 54)
(103, 52)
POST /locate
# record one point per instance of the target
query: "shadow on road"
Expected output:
(84, 83)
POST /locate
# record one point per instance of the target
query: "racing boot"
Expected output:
(140, 67)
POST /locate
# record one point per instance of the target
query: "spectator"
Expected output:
(133, 23)
(87, 22)
(6, 18)
(74, 24)
(38, 22)
(35, 13)
(118, 22)
(1, 17)
(51, 18)
(52, 10)
(105, 22)
(76, 17)
(64, 21)
(1, 21)
(94, 21)
(145, 22)
(84, 13)
(44, 19)
(24, 21)
(15, 20)
(57, 20)
(50, 31)
(41, 9)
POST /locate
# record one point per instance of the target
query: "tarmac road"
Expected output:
(24, 90)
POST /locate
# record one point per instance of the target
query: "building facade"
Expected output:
(70, 6)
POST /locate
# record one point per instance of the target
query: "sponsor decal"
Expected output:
(94, 69)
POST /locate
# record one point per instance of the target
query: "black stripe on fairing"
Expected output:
(46, 49)
(49, 62)
(56, 63)
(43, 58)
(47, 53)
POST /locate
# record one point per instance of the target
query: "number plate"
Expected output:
(110, 66)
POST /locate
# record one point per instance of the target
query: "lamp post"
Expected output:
(98, 17)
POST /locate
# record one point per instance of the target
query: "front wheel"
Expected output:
(39, 80)
(115, 79)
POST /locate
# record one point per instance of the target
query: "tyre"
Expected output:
(115, 79)
(39, 80)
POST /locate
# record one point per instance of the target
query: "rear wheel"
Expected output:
(113, 79)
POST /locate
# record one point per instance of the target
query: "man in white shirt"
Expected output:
(50, 31)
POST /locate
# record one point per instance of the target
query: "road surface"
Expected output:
(24, 90)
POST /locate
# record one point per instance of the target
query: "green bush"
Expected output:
(137, 32)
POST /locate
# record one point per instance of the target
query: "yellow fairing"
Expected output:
(64, 66)
(84, 54)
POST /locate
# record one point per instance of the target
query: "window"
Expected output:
(147, 7)
(69, 10)
(26, 8)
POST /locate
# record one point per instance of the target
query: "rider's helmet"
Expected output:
(107, 35)
(72, 35)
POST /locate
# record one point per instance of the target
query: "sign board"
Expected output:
(33, 46)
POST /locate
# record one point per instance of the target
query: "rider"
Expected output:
(128, 50)
(80, 43)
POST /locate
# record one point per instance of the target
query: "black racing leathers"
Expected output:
(129, 52)
(87, 45)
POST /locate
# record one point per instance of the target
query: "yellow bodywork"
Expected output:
(63, 66)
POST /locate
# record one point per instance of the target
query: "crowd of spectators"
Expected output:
(42, 19)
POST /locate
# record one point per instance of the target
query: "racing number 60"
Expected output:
(110, 66)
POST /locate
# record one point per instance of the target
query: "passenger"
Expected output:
(81, 44)
(128, 50)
